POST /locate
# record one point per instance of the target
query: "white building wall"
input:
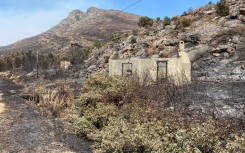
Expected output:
(179, 69)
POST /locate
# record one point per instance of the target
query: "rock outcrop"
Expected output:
(237, 8)
(215, 44)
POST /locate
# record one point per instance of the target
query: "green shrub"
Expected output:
(133, 40)
(115, 36)
(139, 125)
(98, 44)
(107, 89)
(222, 8)
(158, 19)
(166, 21)
(145, 22)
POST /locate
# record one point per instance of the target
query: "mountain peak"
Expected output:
(74, 29)
(76, 12)
(75, 15)
(93, 10)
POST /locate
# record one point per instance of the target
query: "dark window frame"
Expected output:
(162, 80)
(128, 73)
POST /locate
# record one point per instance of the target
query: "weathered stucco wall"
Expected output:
(65, 64)
(178, 69)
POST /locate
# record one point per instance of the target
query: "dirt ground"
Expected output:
(24, 130)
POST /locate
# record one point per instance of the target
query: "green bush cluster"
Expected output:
(145, 22)
(98, 44)
(76, 55)
(26, 61)
(115, 36)
(158, 19)
(113, 113)
(107, 89)
(166, 21)
(222, 8)
(133, 40)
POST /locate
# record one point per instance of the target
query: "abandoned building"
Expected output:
(65, 64)
(176, 70)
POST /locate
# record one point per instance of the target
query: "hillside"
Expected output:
(125, 114)
(214, 41)
(215, 44)
(76, 29)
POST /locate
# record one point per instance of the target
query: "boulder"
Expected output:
(92, 68)
(216, 54)
(172, 42)
(196, 52)
(142, 54)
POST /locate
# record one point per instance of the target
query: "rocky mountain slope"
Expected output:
(215, 44)
(76, 30)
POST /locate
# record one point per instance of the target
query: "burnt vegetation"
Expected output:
(142, 116)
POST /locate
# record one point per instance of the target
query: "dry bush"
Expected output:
(222, 8)
(53, 102)
(185, 22)
(182, 22)
(239, 30)
(18, 79)
(145, 22)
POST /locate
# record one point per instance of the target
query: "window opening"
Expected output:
(162, 71)
(127, 69)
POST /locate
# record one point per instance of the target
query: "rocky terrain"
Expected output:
(76, 30)
(215, 44)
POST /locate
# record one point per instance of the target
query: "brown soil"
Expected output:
(22, 129)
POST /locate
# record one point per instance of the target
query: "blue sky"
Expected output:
(20, 19)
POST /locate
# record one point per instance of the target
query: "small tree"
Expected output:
(17, 61)
(2, 64)
(166, 21)
(222, 8)
(190, 10)
(145, 22)
(158, 19)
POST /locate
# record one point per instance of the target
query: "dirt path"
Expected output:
(22, 129)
